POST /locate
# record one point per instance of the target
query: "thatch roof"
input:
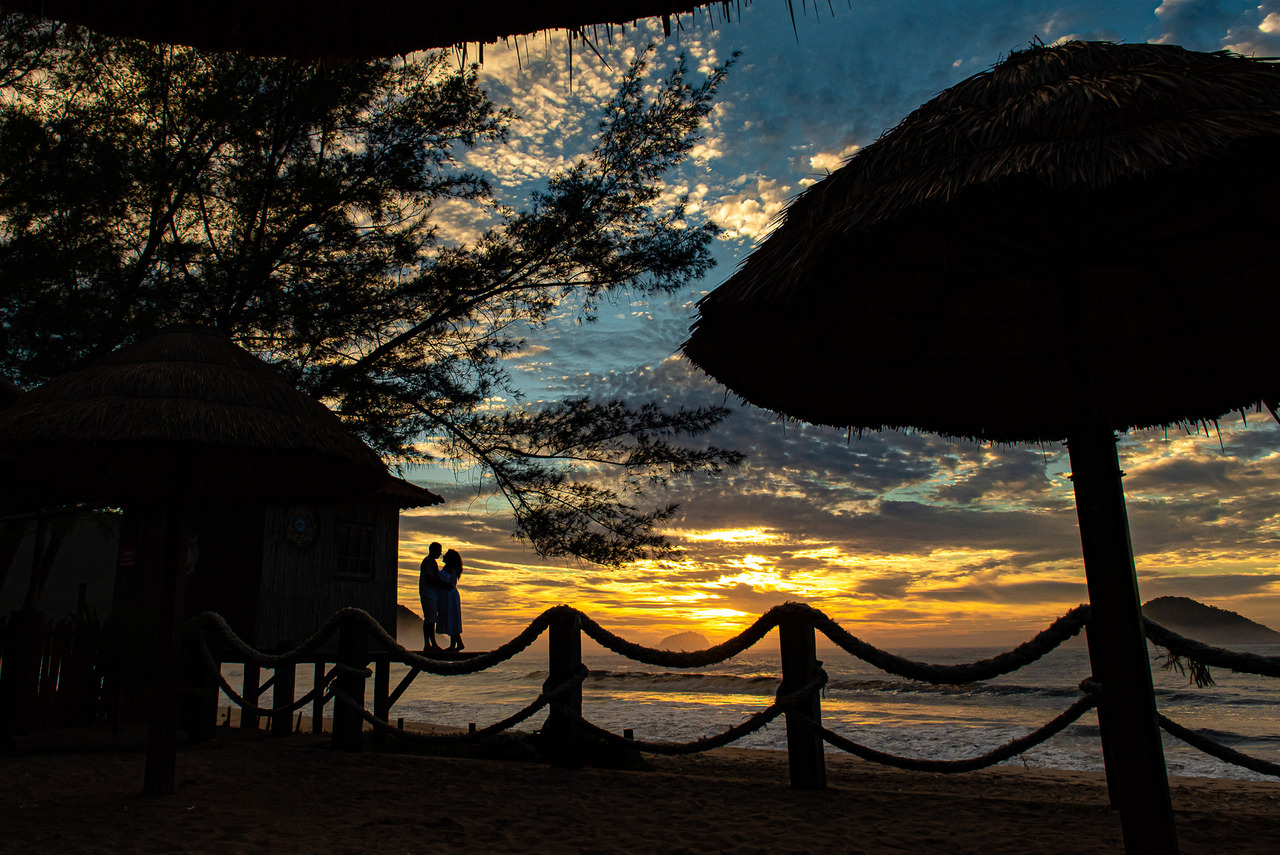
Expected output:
(409, 495)
(317, 29)
(1082, 233)
(188, 406)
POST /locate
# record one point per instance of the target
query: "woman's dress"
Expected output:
(448, 605)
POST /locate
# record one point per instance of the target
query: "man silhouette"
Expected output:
(429, 586)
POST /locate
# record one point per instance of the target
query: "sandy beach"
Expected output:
(249, 792)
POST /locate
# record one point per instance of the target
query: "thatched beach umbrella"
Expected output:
(346, 28)
(184, 417)
(1074, 243)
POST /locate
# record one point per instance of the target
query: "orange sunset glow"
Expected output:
(888, 567)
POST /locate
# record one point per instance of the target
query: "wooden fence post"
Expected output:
(198, 698)
(381, 699)
(562, 734)
(348, 726)
(1135, 764)
(285, 680)
(162, 728)
(250, 691)
(799, 664)
(317, 703)
(20, 671)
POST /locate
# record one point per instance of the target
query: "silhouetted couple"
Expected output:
(441, 605)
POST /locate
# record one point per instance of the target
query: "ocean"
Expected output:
(863, 704)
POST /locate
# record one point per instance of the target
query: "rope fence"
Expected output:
(489, 732)
(798, 698)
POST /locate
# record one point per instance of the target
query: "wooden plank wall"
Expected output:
(228, 566)
(301, 586)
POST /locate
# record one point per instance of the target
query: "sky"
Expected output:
(907, 539)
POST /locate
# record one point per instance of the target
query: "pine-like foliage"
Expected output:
(296, 208)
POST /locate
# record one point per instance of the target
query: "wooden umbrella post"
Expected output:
(1133, 751)
(1097, 662)
(162, 730)
(286, 676)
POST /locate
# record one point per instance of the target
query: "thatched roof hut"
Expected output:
(345, 28)
(185, 409)
(196, 434)
(1084, 228)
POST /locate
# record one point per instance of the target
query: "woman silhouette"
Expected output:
(449, 615)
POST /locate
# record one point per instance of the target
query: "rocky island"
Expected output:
(1206, 623)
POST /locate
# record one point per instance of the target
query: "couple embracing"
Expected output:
(441, 606)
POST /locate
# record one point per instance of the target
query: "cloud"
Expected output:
(746, 598)
(1045, 591)
(829, 161)
(750, 212)
(891, 586)
(1207, 586)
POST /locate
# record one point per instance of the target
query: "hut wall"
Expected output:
(226, 569)
(87, 556)
(138, 564)
(224, 564)
(351, 561)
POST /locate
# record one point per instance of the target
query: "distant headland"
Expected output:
(408, 628)
(684, 641)
(1206, 623)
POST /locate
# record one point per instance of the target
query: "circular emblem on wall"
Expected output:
(300, 526)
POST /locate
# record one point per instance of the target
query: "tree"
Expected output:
(296, 208)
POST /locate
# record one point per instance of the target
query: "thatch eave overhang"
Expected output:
(408, 495)
(347, 29)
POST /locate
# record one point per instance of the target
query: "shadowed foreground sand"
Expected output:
(248, 792)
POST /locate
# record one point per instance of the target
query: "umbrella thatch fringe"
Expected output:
(336, 30)
(1149, 108)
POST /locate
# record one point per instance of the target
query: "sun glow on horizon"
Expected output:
(737, 535)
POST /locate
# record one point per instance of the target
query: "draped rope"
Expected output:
(1004, 752)
(1217, 749)
(1245, 663)
(217, 623)
(682, 659)
(471, 665)
(492, 730)
(1047, 640)
(1064, 628)
(366, 621)
(252, 706)
(705, 743)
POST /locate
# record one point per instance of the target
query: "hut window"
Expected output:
(355, 549)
